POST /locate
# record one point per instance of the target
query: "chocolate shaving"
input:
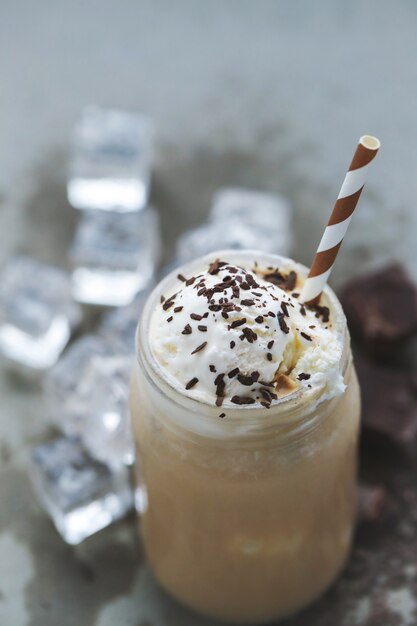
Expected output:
(291, 281)
(190, 281)
(222, 415)
(269, 356)
(232, 344)
(202, 328)
(242, 400)
(259, 319)
(162, 299)
(178, 309)
(219, 400)
(200, 347)
(169, 319)
(212, 368)
(245, 380)
(214, 267)
(187, 330)
(191, 383)
(237, 323)
(303, 376)
(284, 308)
(247, 302)
(196, 316)
(303, 334)
(233, 372)
(283, 324)
(248, 334)
(270, 344)
(181, 278)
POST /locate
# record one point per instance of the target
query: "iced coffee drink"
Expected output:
(245, 407)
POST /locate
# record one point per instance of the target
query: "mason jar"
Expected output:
(247, 518)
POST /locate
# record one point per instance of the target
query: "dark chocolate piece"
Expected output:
(389, 401)
(381, 309)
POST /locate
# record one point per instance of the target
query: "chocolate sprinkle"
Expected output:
(191, 383)
(187, 330)
(200, 347)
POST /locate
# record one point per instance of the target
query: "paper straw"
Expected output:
(339, 219)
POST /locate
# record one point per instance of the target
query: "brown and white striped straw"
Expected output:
(339, 219)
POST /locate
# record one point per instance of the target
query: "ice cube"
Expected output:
(120, 325)
(114, 256)
(240, 219)
(103, 394)
(64, 406)
(81, 494)
(111, 160)
(269, 215)
(37, 313)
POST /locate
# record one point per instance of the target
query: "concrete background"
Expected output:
(270, 94)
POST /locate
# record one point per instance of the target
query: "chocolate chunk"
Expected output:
(187, 330)
(191, 383)
(200, 347)
(389, 402)
(381, 309)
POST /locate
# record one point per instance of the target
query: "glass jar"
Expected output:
(247, 518)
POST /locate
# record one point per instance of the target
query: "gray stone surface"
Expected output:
(265, 94)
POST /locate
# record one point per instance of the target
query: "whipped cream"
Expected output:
(236, 334)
